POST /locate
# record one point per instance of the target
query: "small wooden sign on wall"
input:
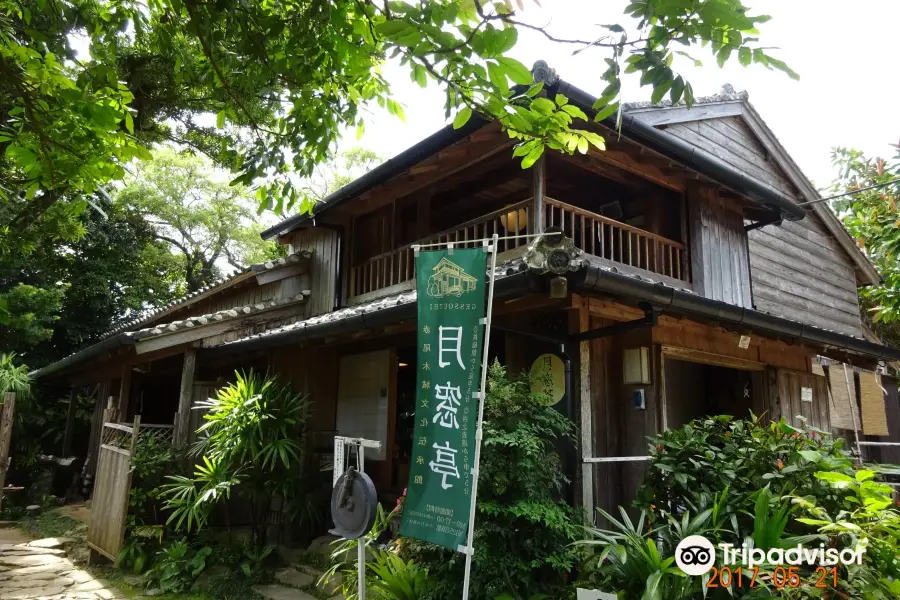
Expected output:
(806, 394)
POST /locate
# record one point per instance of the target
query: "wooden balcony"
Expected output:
(602, 237)
(617, 242)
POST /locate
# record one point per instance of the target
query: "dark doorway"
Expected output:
(695, 390)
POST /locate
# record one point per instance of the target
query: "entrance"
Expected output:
(697, 384)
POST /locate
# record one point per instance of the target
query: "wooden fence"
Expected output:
(109, 507)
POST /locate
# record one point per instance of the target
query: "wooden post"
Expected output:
(586, 415)
(539, 188)
(125, 392)
(6, 425)
(185, 399)
(70, 423)
(102, 393)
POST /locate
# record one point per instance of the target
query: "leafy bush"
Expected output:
(740, 482)
(396, 579)
(691, 465)
(523, 529)
(154, 458)
(177, 566)
(867, 520)
(252, 443)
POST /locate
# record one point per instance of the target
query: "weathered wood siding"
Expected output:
(324, 264)
(720, 268)
(798, 270)
(731, 140)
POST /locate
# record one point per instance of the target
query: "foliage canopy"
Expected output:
(285, 79)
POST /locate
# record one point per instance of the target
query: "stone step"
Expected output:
(274, 591)
(52, 543)
(322, 545)
(294, 578)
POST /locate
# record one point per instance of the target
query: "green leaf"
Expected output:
(745, 56)
(462, 117)
(516, 71)
(659, 91)
(561, 100)
(811, 455)
(677, 90)
(497, 75)
(533, 156)
(607, 111)
(839, 480)
(574, 112)
(129, 122)
(543, 106)
(220, 119)
(583, 145)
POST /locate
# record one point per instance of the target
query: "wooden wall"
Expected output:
(798, 270)
(621, 429)
(731, 140)
(324, 265)
(720, 269)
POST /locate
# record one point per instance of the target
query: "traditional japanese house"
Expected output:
(705, 279)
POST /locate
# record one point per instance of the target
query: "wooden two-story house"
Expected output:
(704, 285)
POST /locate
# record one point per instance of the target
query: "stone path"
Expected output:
(40, 570)
(301, 582)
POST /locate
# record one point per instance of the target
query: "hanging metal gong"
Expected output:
(353, 504)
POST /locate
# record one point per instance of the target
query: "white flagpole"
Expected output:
(470, 549)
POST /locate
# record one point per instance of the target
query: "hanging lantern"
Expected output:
(515, 221)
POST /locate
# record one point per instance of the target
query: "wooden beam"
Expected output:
(681, 114)
(6, 425)
(185, 397)
(538, 190)
(297, 268)
(586, 415)
(125, 391)
(482, 144)
(70, 423)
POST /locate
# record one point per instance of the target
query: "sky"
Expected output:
(845, 52)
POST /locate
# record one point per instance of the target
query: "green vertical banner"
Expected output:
(451, 304)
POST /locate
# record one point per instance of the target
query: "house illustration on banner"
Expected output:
(449, 279)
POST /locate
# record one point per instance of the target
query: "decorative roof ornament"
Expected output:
(727, 89)
(542, 73)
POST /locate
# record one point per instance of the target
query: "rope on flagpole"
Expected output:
(469, 549)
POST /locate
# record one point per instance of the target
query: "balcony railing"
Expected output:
(398, 266)
(595, 234)
(615, 241)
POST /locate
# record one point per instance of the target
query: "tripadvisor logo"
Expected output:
(695, 555)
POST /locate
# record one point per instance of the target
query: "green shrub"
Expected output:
(523, 528)
(695, 462)
(177, 566)
(252, 443)
(154, 459)
(736, 481)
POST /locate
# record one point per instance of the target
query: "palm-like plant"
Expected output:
(14, 378)
(640, 563)
(252, 442)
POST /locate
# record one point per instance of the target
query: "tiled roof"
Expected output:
(217, 317)
(506, 269)
(727, 94)
(223, 283)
